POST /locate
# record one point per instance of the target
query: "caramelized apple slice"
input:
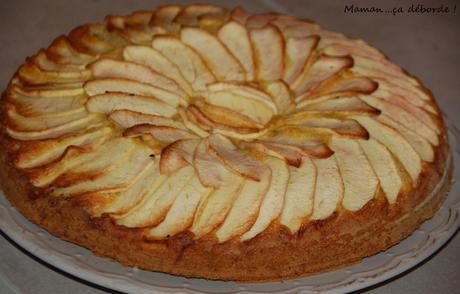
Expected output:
(163, 134)
(101, 86)
(329, 188)
(62, 52)
(84, 123)
(350, 157)
(110, 68)
(235, 159)
(180, 215)
(293, 156)
(109, 102)
(155, 60)
(344, 105)
(190, 64)
(164, 15)
(344, 87)
(391, 139)
(272, 203)
(281, 95)
(49, 91)
(420, 144)
(385, 168)
(403, 117)
(240, 15)
(177, 155)
(190, 15)
(298, 53)
(324, 68)
(298, 202)
(236, 38)
(268, 45)
(155, 204)
(127, 119)
(221, 62)
(37, 153)
(244, 210)
(31, 74)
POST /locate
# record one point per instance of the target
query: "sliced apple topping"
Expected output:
(128, 118)
(221, 62)
(104, 85)
(189, 62)
(150, 57)
(329, 188)
(62, 52)
(46, 64)
(268, 45)
(37, 153)
(113, 179)
(350, 156)
(109, 102)
(245, 209)
(177, 155)
(181, 214)
(385, 168)
(273, 201)
(344, 105)
(299, 51)
(235, 37)
(164, 15)
(235, 159)
(80, 124)
(163, 134)
(120, 203)
(300, 191)
(345, 87)
(153, 207)
(110, 68)
(281, 95)
(324, 68)
(292, 155)
(31, 74)
(192, 14)
(404, 117)
(391, 139)
(50, 90)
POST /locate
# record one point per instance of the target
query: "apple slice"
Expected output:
(46, 64)
(329, 188)
(38, 153)
(19, 122)
(113, 179)
(290, 154)
(190, 64)
(245, 209)
(420, 144)
(192, 123)
(298, 201)
(391, 139)
(345, 46)
(83, 123)
(281, 95)
(344, 87)
(127, 119)
(272, 203)
(191, 15)
(164, 15)
(155, 204)
(235, 159)
(110, 68)
(180, 215)
(252, 108)
(385, 168)
(324, 68)
(46, 106)
(163, 134)
(268, 45)
(177, 155)
(298, 53)
(405, 118)
(147, 182)
(62, 52)
(350, 158)
(221, 62)
(235, 37)
(94, 39)
(49, 91)
(31, 74)
(109, 102)
(155, 60)
(344, 105)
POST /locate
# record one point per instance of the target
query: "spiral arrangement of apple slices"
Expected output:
(221, 123)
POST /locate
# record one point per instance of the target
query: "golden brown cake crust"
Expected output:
(323, 245)
(342, 239)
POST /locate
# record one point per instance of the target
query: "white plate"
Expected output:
(82, 263)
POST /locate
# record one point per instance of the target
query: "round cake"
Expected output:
(203, 142)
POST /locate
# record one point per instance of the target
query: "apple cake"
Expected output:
(213, 143)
